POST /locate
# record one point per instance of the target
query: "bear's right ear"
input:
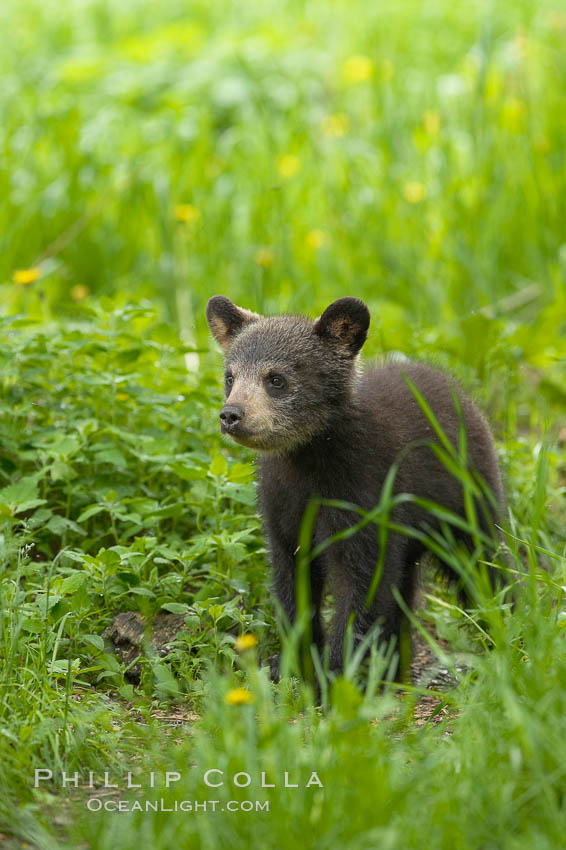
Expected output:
(225, 320)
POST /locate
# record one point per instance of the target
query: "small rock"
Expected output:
(129, 629)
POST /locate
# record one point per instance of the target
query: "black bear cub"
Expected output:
(325, 428)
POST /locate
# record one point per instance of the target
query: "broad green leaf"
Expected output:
(219, 466)
(176, 607)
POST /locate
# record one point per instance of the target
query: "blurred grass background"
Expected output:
(284, 154)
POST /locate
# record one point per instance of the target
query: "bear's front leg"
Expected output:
(284, 569)
(353, 578)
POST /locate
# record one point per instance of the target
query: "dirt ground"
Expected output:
(126, 636)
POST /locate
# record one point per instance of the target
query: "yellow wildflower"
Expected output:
(239, 696)
(187, 213)
(122, 396)
(264, 257)
(414, 192)
(431, 122)
(315, 239)
(288, 165)
(79, 292)
(246, 641)
(336, 125)
(357, 69)
(23, 277)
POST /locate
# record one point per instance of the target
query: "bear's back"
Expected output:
(384, 397)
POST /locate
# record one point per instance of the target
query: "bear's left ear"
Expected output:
(344, 323)
(226, 320)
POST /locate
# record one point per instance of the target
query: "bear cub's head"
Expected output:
(287, 378)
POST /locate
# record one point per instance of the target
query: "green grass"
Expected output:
(284, 154)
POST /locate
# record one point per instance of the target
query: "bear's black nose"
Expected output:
(230, 415)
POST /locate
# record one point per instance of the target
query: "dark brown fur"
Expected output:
(333, 432)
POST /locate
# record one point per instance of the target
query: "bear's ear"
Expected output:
(344, 323)
(225, 320)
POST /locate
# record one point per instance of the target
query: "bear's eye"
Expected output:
(228, 381)
(276, 381)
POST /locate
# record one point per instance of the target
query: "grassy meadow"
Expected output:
(284, 154)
